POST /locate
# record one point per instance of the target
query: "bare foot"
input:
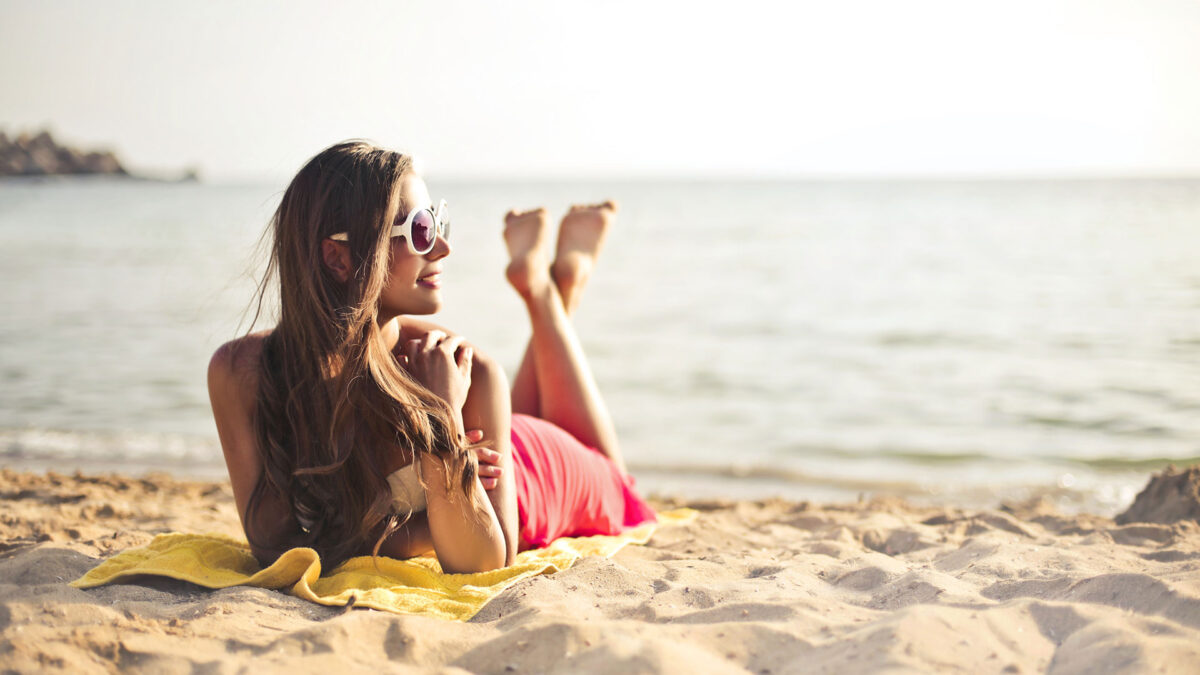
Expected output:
(580, 238)
(525, 236)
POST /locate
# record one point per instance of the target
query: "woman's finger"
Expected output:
(489, 483)
(432, 338)
(474, 435)
(465, 358)
(487, 456)
(451, 344)
(411, 348)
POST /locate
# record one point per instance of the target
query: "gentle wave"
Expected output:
(937, 340)
(1119, 426)
(1069, 492)
(121, 446)
(134, 446)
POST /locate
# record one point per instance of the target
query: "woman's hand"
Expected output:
(442, 364)
(489, 461)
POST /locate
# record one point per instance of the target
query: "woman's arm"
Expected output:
(488, 408)
(413, 538)
(465, 530)
(232, 389)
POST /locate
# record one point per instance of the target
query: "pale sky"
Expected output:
(618, 89)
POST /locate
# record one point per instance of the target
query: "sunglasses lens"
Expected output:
(424, 231)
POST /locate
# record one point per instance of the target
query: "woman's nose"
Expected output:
(441, 249)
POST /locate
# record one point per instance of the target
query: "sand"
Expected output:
(761, 587)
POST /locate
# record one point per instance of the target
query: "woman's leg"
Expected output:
(555, 381)
(525, 398)
(580, 238)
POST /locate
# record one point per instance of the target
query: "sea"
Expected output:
(951, 342)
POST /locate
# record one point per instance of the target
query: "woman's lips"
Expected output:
(431, 280)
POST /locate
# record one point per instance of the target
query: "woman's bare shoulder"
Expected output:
(234, 366)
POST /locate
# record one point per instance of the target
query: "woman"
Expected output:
(344, 427)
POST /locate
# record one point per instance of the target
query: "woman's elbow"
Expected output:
(486, 554)
(265, 556)
(494, 560)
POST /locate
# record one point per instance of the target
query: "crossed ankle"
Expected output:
(539, 293)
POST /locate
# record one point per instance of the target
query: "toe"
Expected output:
(515, 214)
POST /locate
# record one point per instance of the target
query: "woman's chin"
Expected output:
(418, 308)
(431, 305)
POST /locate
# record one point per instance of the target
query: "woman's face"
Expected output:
(414, 281)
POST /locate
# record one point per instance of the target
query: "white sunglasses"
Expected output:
(420, 229)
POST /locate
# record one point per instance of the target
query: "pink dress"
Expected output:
(567, 489)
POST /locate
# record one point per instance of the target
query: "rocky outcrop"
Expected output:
(40, 155)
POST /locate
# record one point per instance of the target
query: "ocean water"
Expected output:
(964, 342)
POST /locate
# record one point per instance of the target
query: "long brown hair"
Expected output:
(333, 404)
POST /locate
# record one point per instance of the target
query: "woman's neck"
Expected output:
(389, 332)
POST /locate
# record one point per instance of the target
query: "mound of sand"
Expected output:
(760, 587)
(1169, 497)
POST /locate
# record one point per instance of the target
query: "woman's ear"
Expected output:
(336, 257)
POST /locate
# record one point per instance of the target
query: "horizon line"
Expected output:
(236, 178)
(807, 177)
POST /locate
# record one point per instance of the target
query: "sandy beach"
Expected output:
(751, 586)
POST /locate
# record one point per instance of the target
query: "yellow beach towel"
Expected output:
(416, 586)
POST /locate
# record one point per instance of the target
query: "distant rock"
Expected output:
(1170, 496)
(41, 155)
